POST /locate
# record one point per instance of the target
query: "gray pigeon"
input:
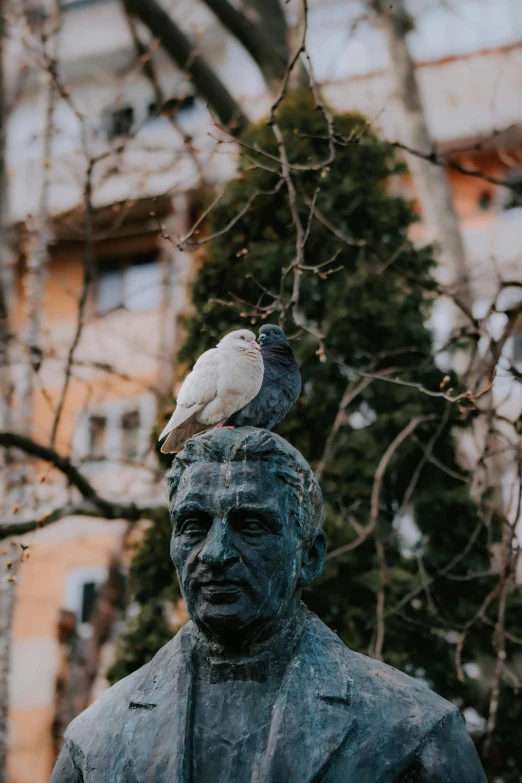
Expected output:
(281, 383)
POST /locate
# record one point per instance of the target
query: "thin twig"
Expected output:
(376, 488)
(93, 505)
(88, 275)
(351, 392)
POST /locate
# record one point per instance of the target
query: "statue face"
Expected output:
(236, 545)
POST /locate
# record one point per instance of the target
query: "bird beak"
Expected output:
(253, 342)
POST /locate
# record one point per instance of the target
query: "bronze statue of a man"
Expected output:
(255, 688)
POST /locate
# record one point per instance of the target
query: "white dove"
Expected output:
(222, 381)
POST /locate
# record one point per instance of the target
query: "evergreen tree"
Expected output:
(367, 290)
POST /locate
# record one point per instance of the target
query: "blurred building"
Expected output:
(156, 167)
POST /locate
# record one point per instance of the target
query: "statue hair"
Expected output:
(249, 444)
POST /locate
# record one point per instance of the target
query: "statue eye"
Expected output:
(193, 526)
(252, 527)
(250, 524)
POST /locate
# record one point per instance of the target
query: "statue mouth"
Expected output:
(225, 590)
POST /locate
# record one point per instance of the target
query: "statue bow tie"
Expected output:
(226, 669)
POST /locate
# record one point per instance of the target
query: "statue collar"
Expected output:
(264, 659)
(214, 670)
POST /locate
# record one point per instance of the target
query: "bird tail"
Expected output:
(181, 414)
(176, 438)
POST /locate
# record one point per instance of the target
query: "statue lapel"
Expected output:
(159, 717)
(312, 717)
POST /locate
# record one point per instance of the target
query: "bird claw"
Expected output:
(222, 426)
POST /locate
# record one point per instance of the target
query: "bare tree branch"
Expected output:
(352, 391)
(107, 508)
(376, 489)
(88, 274)
(446, 162)
(83, 508)
(13, 527)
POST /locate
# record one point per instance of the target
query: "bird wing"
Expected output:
(176, 439)
(198, 389)
(279, 391)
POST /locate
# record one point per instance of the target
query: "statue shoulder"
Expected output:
(415, 728)
(406, 695)
(377, 688)
(420, 732)
(108, 713)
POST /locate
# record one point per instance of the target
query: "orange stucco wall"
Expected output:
(71, 543)
(31, 753)
(63, 287)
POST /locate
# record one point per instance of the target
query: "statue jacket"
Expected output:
(340, 717)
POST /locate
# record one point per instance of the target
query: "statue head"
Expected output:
(247, 534)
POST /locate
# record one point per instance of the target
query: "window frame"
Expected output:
(123, 263)
(73, 592)
(124, 114)
(92, 452)
(511, 200)
(126, 416)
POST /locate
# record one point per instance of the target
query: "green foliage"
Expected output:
(369, 297)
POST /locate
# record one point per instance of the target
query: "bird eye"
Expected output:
(271, 331)
(241, 338)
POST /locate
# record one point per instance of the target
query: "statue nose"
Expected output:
(218, 549)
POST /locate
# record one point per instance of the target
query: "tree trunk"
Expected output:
(7, 598)
(439, 212)
(6, 271)
(34, 279)
(6, 587)
(434, 189)
(270, 14)
(263, 50)
(186, 56)
(177, 269)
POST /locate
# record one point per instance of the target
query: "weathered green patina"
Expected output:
(256, 689)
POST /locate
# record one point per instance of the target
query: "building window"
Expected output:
(485, 200)
(119, 122)
(109, 286)
(89, 594)
(97, 432)
(517, 350)
(132, 282)
(514, 197)
(82, 587)
(130, 433)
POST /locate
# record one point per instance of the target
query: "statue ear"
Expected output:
(312, 557)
